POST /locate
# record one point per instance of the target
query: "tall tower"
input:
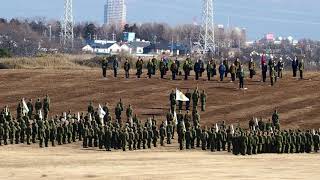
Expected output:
(67, 25)
(115, 12)
(207, 27)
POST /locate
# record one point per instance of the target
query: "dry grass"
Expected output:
(58, 61)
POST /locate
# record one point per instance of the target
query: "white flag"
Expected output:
(175, 119)
(25, 108)
(90, 117)
(180, 96)
(78, 116)
(150, 122)
(166, 123)
(131, 121)
(101, 112)
(65, 115)
(6, 111)
(232, 129)
(217, 128)
(183, 126)
(40, 115)
(256, 121)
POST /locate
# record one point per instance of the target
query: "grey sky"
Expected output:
(283, 17)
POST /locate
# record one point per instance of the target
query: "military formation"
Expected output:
(126, 132)
(236, 69)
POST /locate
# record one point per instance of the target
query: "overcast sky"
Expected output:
(297, 18)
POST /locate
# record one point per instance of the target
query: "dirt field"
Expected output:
(298, 103)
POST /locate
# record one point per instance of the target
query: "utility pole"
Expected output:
(67, 26)
(50, 32)
(206, 39)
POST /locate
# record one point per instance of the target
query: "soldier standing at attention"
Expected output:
(126, 68)
(195, 98)
(241, 77)
(139, 66)
(188, 95)
(30, 107)
(252, 66)
(115, 66)
(172, 101)
(209, 70)
(203, 98)
(150, 68)
(174, 70)
(104, 65)
(233, 72)
(264, 67)
(197, 69)
(301, 68)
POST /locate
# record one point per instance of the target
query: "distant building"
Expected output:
(129, 36)
(115, 12)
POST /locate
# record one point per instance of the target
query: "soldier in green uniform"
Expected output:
(150, 137)
(249, 143)
(198, 135)
(233, 71)
(187, 67)
(139, 66)
(118, 111)
(204, 139)
(1, 133)
(188, 137)
(30, 107)
(104, 65)
(278, 140)
(150, 67)
(188, 95)
(46, 106)
(172, 101)
(107, 138)
(276, 120)
(145, 137)
(60, 134)
(41, 137)
(316, 141)
(182, 138)
(301, 68)
(53, 132)
(155, 136)
(203, 98)
(38, 105)
(243, 141)
(124, 139)
(169, 131)
(91, 108)
(162, 134)
(162, 68)
(174, 70)
(126, 68)
(252, 67)
(195, 98)
(209, 70)
(131, 139)
(28, 133)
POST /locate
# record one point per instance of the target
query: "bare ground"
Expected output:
(297, 101)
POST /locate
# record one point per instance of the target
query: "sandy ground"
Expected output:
(72, 162)
(298, 103)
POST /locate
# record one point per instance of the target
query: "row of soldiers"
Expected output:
(38, 130)
(103, 132)
(194, 97)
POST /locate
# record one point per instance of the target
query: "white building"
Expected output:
(115, 12)
(110, 48)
